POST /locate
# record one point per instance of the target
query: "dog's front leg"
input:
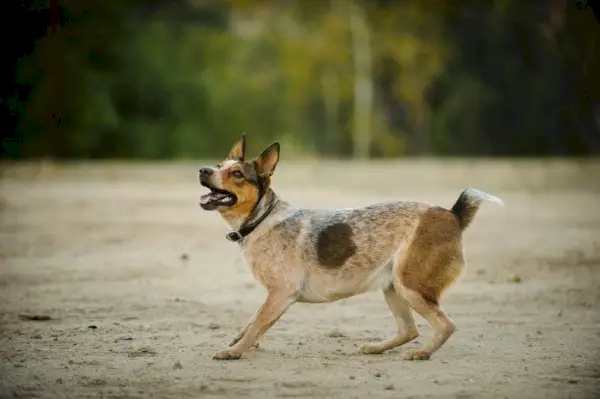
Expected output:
(242, 332)
(275, 305)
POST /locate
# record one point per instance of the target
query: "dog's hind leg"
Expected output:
(430, 310)
(407, 329)
(431, 263)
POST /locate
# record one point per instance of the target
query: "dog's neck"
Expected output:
(236, 219)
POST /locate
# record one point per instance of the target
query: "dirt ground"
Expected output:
(141, 287)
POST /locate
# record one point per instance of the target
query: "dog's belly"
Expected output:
(321, 287)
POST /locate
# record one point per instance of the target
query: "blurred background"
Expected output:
(182, 79)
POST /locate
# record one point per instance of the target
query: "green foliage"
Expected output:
(183, 79)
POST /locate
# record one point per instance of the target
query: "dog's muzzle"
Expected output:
(216, 197)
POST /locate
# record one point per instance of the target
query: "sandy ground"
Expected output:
(142, 288)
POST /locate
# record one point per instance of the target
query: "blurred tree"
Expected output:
(29, 22)
(505, 92)
(577, 31)
(380, 78)
(410, 53)
(363, 80)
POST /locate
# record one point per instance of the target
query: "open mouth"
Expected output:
(216, 197)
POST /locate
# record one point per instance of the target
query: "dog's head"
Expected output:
(236, 184)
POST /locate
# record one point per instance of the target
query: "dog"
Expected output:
(412, 251)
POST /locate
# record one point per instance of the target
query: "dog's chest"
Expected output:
(270, 265)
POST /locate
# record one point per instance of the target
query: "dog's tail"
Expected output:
(467, 204)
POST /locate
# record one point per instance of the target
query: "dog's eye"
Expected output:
(237, 174)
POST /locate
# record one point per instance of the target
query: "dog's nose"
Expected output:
(206, 172)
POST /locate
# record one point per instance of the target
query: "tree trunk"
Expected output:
(422, 139)
(53, 74)
(363, 82)
(331, 98)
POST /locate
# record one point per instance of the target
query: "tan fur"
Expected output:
(434, 259)
(246, 192)
(409, 250)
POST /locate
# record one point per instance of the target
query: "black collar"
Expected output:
(247, 228)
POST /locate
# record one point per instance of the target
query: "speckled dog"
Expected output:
(412, 251)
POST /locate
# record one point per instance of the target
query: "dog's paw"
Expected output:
(417, 354)
(372, 348)
(226, 354)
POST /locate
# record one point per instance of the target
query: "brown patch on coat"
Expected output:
(433, 260)
(335, 245)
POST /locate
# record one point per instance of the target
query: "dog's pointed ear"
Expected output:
(267, 161)
(238, 151)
